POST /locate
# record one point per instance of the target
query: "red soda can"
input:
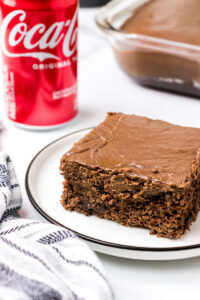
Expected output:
(39, 48)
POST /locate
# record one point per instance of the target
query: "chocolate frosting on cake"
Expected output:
(169, 57)
(139, 146)
(176, 20)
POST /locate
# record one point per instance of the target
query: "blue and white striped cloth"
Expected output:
(41, 261)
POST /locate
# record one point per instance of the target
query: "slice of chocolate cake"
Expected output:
(137, 172)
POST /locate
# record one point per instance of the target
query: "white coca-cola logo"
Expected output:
(48, 38)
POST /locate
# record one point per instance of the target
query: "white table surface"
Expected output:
(104, 87)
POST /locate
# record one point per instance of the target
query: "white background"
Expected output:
(104, 87)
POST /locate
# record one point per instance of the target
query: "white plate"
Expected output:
(44, 188)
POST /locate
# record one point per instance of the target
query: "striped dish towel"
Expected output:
(41, 261)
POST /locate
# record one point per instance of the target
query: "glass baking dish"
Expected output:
(151, 61)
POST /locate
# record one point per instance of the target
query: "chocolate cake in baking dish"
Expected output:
(137, 172)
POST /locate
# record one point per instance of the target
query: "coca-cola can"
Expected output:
(39, 49)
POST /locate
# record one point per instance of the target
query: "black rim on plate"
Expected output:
(85, 237)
